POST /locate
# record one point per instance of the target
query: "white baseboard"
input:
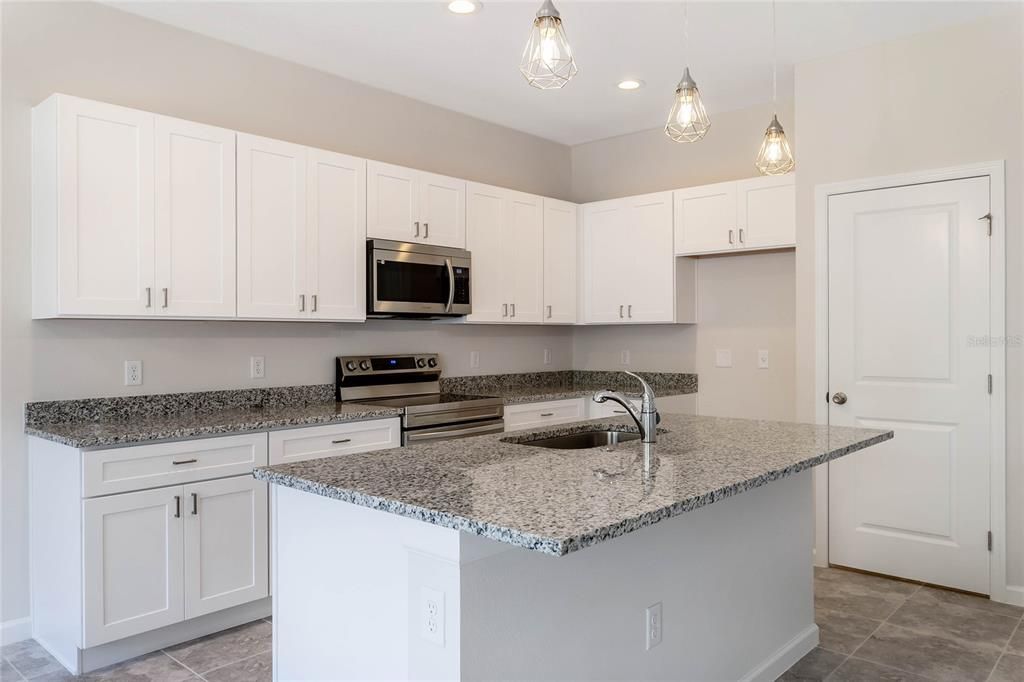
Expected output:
(785, 658)
(1011, 594)
(15, 630)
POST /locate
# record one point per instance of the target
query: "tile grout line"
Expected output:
(882, 622)
(245, 658)
(1003, 652)
(21, 675)
(164, 652)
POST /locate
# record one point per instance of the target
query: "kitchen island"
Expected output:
(490, 557)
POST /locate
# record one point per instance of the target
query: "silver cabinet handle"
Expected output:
(629, 310)
(513, 307)
(302, 303)
(165, 296)
(504, 309)
(417, 224)
(741, 235)
(620, 311)
(839, 398)
(177, 506)
(618, 412)
(730, 236)
(313, 301)
(184, 461)
(341, 440)
(549, 312)
(195, 504)
(547, 414)
(149, 297)
(426, 230)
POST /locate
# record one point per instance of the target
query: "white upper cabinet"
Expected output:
(759, 213)
(195, 220)
(92, 209)
(606, 262)
(505, 234)
(413, 206)
(560, 259)
(336, 236)
(651, 283)
(271, 228)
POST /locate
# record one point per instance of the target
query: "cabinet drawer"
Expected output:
(314, 442)
(150, 466)
(607, 409)
(544, 414)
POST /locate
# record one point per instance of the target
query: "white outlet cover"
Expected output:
(547, 356)
(474, 359)
(133, 372)
(432, 615)
(762, 359)
(723, 357)
(257, 367)
(653, 626)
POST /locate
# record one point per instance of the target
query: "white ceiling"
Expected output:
(470, 63)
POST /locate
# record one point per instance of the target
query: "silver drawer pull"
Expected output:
(547, 414)
(184, 461)
(417, 224)
(195, 504)
(618, 412)
(177, 506)
(149, 297)
(341, 440)
(165, 297)
(302, 303)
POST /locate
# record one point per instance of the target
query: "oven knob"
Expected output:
(350, 366)
(432, 362)
(364, 365)
(421, 363)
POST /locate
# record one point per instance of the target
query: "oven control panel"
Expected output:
(368, 365)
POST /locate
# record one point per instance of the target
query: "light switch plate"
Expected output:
(723, 357)
(762, 359)
(625, 357)
(474, 359)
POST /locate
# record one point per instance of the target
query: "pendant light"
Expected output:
(775, 157)
(547, 61)
(687, 120)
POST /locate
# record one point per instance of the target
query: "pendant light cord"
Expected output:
(686, 31)
(775, 62)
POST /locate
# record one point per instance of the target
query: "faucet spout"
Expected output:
(646, 417)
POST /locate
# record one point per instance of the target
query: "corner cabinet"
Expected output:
(560, 261)
(630, 273)
(409, 205)
(746, 215)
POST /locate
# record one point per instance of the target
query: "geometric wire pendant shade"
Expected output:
(687, 120)
(547, 61)
(775, 157)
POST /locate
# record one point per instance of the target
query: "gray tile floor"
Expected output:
(872, 628)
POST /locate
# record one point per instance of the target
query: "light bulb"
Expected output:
(775, 157)
(687, 120)
(547, 60)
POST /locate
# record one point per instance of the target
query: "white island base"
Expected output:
(354, 590)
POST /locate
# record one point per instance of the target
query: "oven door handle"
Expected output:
(490, 427)
(451, 284)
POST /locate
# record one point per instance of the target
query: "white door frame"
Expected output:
(995, 171)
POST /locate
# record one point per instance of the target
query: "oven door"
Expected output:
(411, 437)
(417, 280)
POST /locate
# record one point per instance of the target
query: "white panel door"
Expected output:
(105, 231)
(486, 217)
(271, 228)
(560, 258)
(391, 203)
(524, 257)
(766, 212)
(195, 219)
(606, 243)
(226, 544)
(132, 563)
(908, 291)
(705, 219)
(442, 210)
(336, 236)
(648, 268)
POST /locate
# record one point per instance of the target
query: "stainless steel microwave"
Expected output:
(416, 280)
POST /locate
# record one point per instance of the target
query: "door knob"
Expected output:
(839, 398)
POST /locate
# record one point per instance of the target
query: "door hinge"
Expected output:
(990, 541)
(990, 384)
(988, 217)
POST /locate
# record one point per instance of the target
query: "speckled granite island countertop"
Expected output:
(535, 387)
(559, 501)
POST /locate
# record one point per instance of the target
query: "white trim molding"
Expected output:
(15, 630)
(999, 589)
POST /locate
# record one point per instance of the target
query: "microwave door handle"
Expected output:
(451, 285)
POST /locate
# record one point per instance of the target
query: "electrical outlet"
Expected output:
(547, 356)
(652, 623)
(624, 357)
(723, 357)
(432, 615)
(474, 359)
(762, 359)
(257, 367)
(133, 372)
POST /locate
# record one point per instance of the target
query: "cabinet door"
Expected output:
(391, 210)
(132, 563)
(766, 212)
(336, 238)
(195, 219)
(105, 229)
(226, 544)
(442, 210)
(524, 254)
(271, 229)
(560, 258)
(606, 247)
(705, 219)
(648, 272)
(486, 216)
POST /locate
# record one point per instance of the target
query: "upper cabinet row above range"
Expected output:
(138, 215)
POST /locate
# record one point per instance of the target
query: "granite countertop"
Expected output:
(534, 387)
(558, 501)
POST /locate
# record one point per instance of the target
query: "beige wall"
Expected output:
(96, 52)
(930, 101)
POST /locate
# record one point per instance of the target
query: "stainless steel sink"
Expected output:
(581, 441)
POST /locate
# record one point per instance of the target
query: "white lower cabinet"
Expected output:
(607, 409)
(315, 442)
(533, 415)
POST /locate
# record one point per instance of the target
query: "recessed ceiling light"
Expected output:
(630, 84)
(463, 6)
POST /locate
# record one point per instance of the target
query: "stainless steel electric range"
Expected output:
(412, 383)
